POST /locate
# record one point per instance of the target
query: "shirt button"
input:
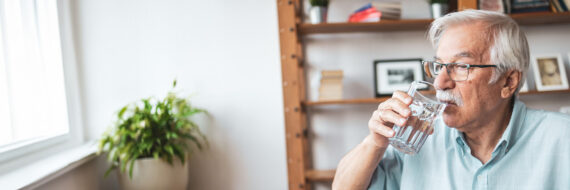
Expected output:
(480, 178)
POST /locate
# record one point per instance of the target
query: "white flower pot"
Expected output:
(438, 10)
(149, 173)
(318, 15)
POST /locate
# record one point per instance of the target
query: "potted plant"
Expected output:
(438, 8)
(151, 141)
(318, 11)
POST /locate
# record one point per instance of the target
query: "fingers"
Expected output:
(402, 96)
(392, 111)
(389, 117)
(379, 128)
(398, 103)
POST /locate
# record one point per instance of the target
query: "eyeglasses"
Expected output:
(456, 71)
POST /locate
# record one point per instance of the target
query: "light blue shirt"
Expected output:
(533, 153)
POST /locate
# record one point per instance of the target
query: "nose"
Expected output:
(443, 81)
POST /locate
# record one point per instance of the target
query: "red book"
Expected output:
(370, 14)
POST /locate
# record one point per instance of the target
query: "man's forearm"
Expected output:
(355, 169)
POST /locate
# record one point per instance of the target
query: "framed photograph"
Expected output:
(396, 74)
(549, 72)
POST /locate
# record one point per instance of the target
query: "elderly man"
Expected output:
(486, 138)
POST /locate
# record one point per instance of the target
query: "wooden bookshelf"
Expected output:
(536, 18)
(384, 25)
(541, 18)
(534, 92)
(347, 101)
(320, 175)
(291, 28)
(382, 99)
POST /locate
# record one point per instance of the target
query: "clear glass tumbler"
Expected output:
(410, 138)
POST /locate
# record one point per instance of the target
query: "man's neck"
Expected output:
(484, 138)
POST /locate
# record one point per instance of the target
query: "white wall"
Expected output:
(224, 52)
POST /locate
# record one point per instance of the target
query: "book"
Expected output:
(563, 5)
(522, 6)
(367, 15)
(556, 6)
(389, 10)
(331, 73)
(508, 6)
(390, 5)
(552, 8)
(331, 85)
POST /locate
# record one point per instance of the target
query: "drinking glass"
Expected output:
(410, 138)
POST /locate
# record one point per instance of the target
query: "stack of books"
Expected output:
(367, 13)
(389, 10)
(331, 85)
(523, 6)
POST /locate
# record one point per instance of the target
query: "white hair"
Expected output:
(508, 48)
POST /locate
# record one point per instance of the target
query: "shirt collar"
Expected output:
(517, 119)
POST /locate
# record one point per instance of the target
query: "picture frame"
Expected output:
(549, 72)
(396, 74)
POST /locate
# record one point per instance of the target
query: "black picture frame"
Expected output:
(396, 74)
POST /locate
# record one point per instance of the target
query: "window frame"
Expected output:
(21, 153)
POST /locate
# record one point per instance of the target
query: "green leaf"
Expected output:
(131, 169)
(108, 171)
(120, 115)
(155, 155)
(169, 149)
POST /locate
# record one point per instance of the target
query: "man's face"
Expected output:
(467, 44)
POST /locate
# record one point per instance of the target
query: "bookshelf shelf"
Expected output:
(320, 175)
(534, 92)
(536, 18)
(384, 25)
(541, 18)
(379, 100)
(347, 101)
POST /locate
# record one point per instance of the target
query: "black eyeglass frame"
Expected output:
(429, 73)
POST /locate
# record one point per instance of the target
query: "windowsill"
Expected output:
(49, 168)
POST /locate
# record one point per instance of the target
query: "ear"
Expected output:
(512, 80)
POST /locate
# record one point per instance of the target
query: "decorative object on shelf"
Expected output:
(396, 74)
(549, 72)
(331, 85)
(367, 13)
(151, 141)
(389, 10)
(438, 8)
(318, 11)
(492, 5)
(523, 6)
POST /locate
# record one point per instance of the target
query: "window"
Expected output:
(33, 102)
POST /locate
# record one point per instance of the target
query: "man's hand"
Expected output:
(356, 168)
(392, 111)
